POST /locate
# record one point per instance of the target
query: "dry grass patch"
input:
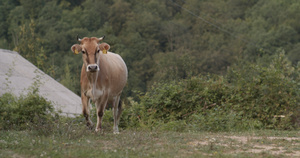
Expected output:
(286, 146)
(139, 143)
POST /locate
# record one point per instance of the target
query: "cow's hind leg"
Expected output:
(117, 111)
(86, 110)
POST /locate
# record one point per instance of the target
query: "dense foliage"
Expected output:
(159, 40)
(25, 112)
(250, 96)
(205, 65)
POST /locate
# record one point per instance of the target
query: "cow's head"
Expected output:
(90, 49)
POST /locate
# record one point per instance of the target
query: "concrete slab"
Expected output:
(17, 75)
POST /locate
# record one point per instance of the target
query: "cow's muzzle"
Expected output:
(92, 68)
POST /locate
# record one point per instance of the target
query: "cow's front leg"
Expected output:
(86, 110)
(101, 104)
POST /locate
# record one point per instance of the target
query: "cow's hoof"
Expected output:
(116, 132)
(99, 130)
(90, 127)
(90, 124)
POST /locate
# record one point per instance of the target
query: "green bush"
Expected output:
(250, 96)
(27, 111)
(264, 92)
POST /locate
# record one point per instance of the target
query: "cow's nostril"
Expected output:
(92, 68)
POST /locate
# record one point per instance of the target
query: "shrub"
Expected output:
(179, 100)
(250, 96)
(264, 92)
(172, 105)
(26, 111)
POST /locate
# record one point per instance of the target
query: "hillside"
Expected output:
(159, 40)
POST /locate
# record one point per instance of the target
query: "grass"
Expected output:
(74, 140)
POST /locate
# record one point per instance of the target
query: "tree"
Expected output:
(30, 45)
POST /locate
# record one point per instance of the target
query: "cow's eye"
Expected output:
(83, 52)
(98, 51)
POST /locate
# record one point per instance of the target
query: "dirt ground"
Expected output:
(287, 146)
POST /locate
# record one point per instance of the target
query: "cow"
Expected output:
(103, 77)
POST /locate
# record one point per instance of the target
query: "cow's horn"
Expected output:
(101, 38)
(78, 39)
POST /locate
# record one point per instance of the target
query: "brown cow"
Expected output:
(103, 77)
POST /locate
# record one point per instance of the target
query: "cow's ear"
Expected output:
(76, 48)
(104, 47)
